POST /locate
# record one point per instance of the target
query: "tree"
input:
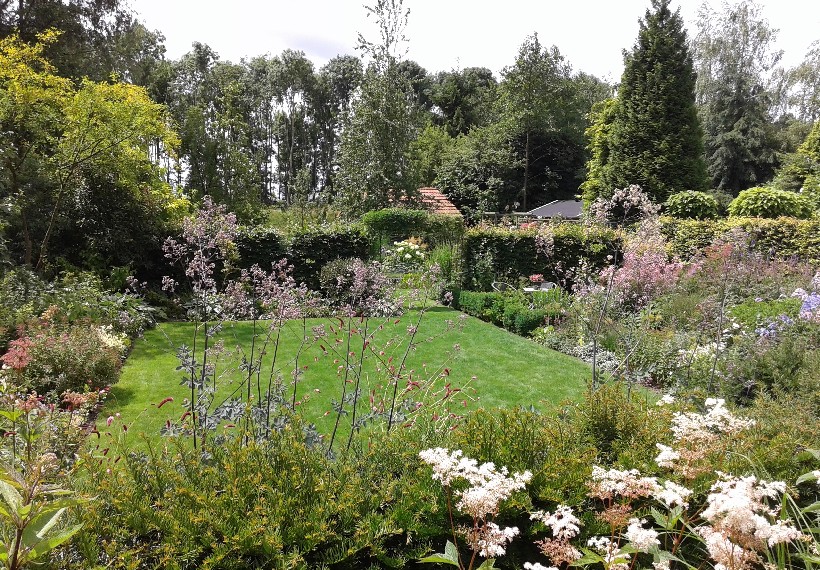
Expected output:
(804, 85)
(537, 104)
(59, 139)
(478, 172)
(463, 99)
(96, 38)
(374, 168)
(656, 136)
(735, 62)
(599, 135)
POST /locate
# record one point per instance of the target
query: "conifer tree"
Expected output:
(656, 139)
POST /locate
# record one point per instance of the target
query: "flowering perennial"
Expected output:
(488, 487)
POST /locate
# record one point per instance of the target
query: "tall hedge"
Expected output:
(785, 237)
(393, 224)
(308, 251)
(498, 254)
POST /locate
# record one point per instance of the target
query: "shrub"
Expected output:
(310, 251)
(492, 254)
(783, 237)
(358, 288)
(395, 224)
(765, 202)
(55, 358)
(692, 204)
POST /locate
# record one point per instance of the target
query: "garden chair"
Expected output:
(501, 286)
(547, 285)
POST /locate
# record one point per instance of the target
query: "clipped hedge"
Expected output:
(395, 224)
(784, 237)
(768, 202)
(510, 311)
(308, 251)
(499, 254)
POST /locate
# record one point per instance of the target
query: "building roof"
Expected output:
(437, 203)
(567, 209)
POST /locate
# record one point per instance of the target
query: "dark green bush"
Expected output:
(765, 202)
(692, 204)
(493, 254)
(310, 251)
(259, 245)
(488, 307)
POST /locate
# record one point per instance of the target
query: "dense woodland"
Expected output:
(105, 141)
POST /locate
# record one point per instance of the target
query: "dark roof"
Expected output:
(567, 209)
(437, 203)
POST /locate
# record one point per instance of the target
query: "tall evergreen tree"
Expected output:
(737, 98)
(656, 136)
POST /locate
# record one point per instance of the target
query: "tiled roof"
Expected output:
(437, 203)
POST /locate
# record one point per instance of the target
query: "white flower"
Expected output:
(667, 456)
(612, 482)
(641, 538)
(537, 566)
(493, 540)
(614, 559)
(564, 524)
(666, 400)
(408, 256)
(673, 494)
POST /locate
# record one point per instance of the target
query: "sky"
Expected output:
(445, 34)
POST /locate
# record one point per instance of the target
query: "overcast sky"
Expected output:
(445, 34)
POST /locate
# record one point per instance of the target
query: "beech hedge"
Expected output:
(783, 237)
(499, 254)
(308, 251)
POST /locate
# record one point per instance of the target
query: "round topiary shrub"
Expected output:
(765, 202)
(693, 205)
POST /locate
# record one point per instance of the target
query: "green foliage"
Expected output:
(754, 313)
(516, 312)
(65, 142)
(426, 153)
(767, 202)
(802, 168)
(395, 224)
(61, 358)
(478, 173)
(497, 254)
(692, 204)
(260, 245)
(312, 250)
(656, 139)
(786, 237)
(280, 503)
(599, 137)
(32, 512)
(735, 59)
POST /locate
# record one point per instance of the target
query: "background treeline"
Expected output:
(712, 111)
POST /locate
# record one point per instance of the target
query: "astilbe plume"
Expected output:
(698, 434)
(646, 271)
(481, 500)
(740, 521)
(564, 526)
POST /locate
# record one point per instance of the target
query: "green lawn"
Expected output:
(492, 367)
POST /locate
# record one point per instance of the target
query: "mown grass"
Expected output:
(490, 367)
